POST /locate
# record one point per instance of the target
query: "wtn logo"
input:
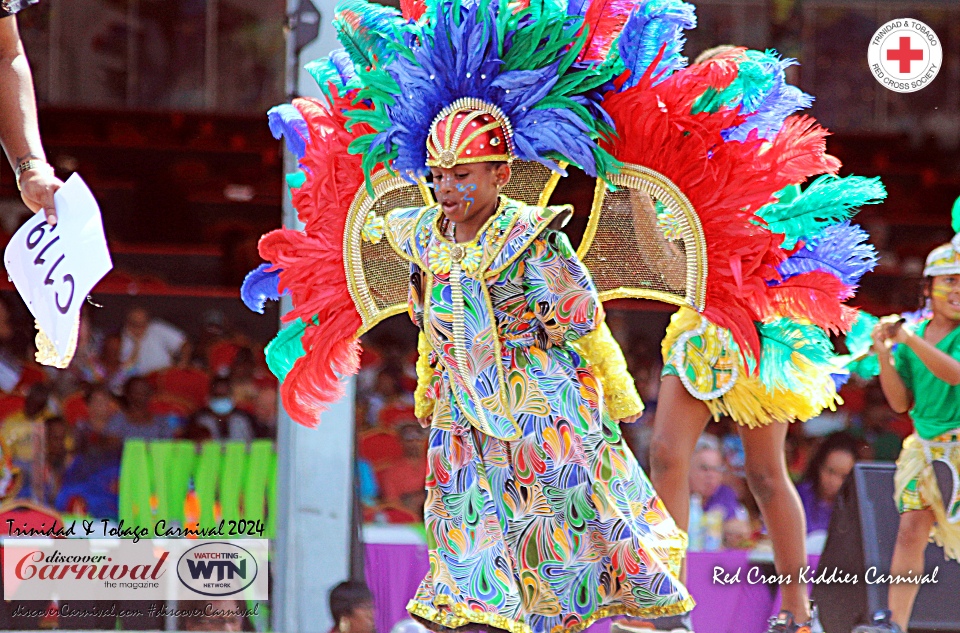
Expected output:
(224, 568)
(217, 569)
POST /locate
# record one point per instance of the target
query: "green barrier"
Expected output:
(230, 482)
(234, 462)
(135, 484)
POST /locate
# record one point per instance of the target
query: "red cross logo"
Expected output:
(905, 55)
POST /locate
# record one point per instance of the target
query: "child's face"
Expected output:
(945, 296)
(466, 190)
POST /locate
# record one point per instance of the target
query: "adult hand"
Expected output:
(37, 188)
(630, 418)
(426, 421)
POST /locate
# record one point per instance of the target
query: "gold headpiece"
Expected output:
(469, 131)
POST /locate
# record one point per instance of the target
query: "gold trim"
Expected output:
(551, 184)
(382, 315)
(664, 190)
(382, 182)
(639, 293)
(596, 209)
(462, 616)
(460, 352)
(498, 158)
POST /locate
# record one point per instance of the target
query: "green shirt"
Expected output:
(936, 405)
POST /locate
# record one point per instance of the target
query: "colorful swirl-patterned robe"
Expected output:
(538, 517)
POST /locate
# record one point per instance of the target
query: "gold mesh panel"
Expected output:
(377, 277)
(643, 251)
(531, 183)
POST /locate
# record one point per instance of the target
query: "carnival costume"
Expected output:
(538, 518)
(935, 411)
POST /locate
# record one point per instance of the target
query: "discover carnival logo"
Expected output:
(127, 569)
(217, 569)
(905, 55)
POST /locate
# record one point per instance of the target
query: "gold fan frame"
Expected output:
(383, 182)
(631, 176)
(660, 188)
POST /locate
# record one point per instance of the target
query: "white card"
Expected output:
(55, 267)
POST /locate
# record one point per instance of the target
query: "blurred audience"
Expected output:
(404, 481)
(220, 419)
(148, 344)
(826, 471)
(22, 434)
(351, 607)
(713, 503)
(135, 420)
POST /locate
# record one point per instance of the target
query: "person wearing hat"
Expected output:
(920, 373)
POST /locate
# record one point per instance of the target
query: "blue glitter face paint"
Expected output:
(466, 190)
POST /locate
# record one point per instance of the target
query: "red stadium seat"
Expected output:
(10, 404)
(379, 446)
(74, 408)
(186, 383)
(165, 404)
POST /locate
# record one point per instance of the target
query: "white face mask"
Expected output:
(222, 405)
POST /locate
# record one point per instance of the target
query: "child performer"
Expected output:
(922, 374)
(514, 529)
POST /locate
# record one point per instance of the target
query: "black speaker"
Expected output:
(860, 540)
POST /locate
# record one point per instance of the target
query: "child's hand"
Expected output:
(880, 346)
(893, 329)
(426, 421)
(888, 331)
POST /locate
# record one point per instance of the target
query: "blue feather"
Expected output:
(463, 40)
(340, 60)
(577, 7)
(841, 250)
(259, 286)
(652, 25)
(286, 121)
(839, 380)
(769, 104)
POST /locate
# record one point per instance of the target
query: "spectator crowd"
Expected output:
(64, 430)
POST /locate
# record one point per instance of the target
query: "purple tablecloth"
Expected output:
(394, 572)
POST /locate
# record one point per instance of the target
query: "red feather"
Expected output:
(816, 297)
(412, 9)
(726, 182)
(311, 263)
(603, 22)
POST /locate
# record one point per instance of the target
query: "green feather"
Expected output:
(783, 343)
(956, 216)
(285, 349)
(827, 201)
(859, 339)
(368, 43)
